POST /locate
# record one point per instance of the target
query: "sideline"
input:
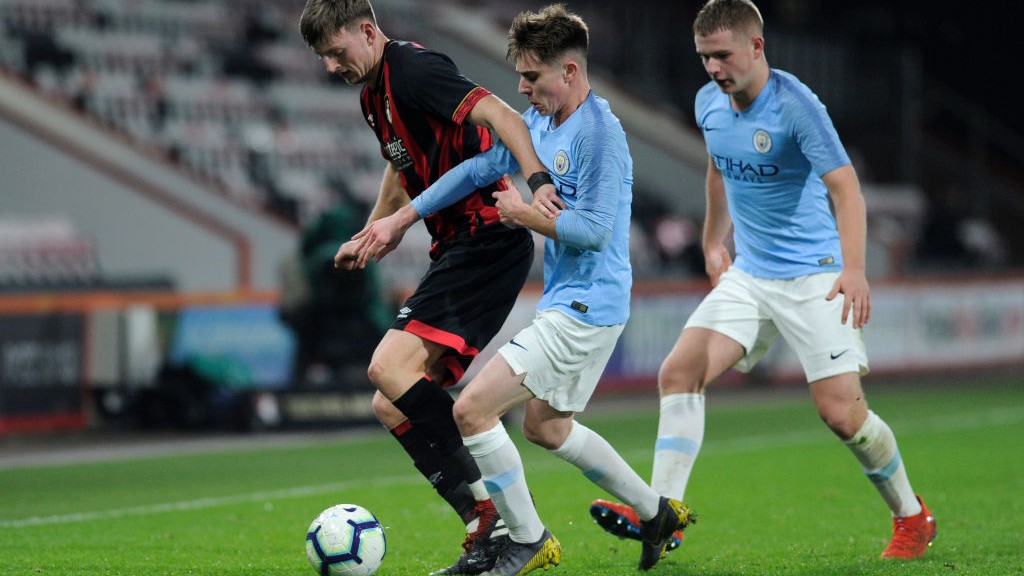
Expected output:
(79, 447)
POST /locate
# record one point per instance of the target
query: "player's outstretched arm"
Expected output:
(514, 211)
(381, 237)
(391, 198)
(508, 124)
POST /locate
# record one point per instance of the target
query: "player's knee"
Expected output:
(462, 413)
(841, 405)
(389, 378)
(467, 415)
(679, 379)
(544, 436)
(376, 372)
(843, 421)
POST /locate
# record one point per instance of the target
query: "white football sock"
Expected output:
(503, 475)
(602, 465)
(874, 445)
(680, 435)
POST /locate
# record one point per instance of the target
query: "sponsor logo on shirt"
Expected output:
(396, 153)
(738, 169)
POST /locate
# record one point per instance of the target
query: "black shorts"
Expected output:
(467, 293)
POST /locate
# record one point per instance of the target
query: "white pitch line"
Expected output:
(199, 504)
(785, 440)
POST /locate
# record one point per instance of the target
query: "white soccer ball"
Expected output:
(345, 540)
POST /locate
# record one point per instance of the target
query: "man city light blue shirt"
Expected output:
(772, 156)
(587, 273)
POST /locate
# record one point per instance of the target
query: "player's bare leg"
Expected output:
(842, 406)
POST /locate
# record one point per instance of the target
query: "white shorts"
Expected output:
(562, 358)
(753, 311)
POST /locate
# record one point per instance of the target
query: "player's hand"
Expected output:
(347, 256)
(546, 201)
(853, 285)
(378, 239)
(716, 262)
(509, 203)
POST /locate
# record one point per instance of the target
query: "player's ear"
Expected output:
(757, 44)
(368, 31)
(569, 70)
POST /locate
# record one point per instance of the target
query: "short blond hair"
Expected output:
(719, 15)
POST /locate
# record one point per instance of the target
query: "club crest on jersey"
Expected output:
(762, 141)
(561, 163)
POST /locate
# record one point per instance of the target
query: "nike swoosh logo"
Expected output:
(708, 128)
(833, 355)
(514, 343)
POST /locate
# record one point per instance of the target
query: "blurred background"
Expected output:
(177, 175)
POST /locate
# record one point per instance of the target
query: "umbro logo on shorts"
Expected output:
(404, 312)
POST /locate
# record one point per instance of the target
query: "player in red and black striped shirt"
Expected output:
(428, 118)
(418, 105)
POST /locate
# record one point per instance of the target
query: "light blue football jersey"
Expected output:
(772, 156)
(587, 273)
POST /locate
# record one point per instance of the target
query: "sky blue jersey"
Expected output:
(772, 156)
(587, 273)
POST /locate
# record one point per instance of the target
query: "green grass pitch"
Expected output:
(774, 491)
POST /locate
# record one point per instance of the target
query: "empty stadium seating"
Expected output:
(227, 89)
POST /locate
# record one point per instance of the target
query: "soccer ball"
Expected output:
(345, 540)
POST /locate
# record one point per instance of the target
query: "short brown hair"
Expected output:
(547, 34)
(728, 15)
(321, 19)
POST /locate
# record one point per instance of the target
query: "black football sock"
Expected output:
(429, 408)
(444, 477)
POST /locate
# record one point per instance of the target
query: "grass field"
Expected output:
(776, 494)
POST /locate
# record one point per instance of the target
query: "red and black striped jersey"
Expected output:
(418, 111)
